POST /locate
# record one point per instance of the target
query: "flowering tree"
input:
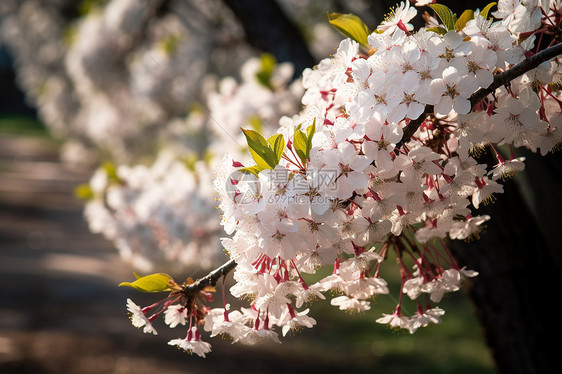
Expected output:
(382, 162)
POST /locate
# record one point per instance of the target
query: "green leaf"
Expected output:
(277, 144)
(466, 16)
(84, 192)
(303, 143)
(190, 162)
(299, 144)
(438, 30)
(259, 149)
(351, 26)
(256, 123)
(159, 282)
(170, 44)
(111, 171)
(445, 14)
(486, 10)
(311, 130)
(252, 170)
(89, 6)
(264, 75)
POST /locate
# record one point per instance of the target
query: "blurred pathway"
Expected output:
(60, 309)
(57, 281)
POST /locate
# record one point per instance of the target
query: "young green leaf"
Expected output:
(445, 14)
(466, 16)
(170, 44)
(256, 123)
(252, 170)
(303, 143)
(299, 144)
(311, 130)
(351, 26)
(84, 192)
(264, 75)
(277, 144)
(111, 171)
(159, 282)
(259, 149)
(438, 30)
(486, 10)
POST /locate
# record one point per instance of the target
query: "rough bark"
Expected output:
(513, 291)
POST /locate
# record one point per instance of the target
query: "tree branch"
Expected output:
(516, 71)
(499, 80)
(413, 126)
(211, 278)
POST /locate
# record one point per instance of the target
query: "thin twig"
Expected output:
(499, 80)
(211, 278)
(516, 71)
(413, 126)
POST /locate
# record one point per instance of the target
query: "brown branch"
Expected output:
(499, 80)
(211, 278)
(413, 126)
(516, 71)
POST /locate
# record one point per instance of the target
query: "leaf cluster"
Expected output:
(353, 27)
(266, 152)
(450, 19)
(302, 142)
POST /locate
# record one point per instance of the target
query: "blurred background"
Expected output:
(92, 96)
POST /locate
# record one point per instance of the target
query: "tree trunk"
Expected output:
(517, 272)
(268, 29)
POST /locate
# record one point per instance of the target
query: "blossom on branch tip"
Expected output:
(139, 319)
(192, 344)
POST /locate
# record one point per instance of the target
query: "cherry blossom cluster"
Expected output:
(159, 217)
(118, 78)
(123, 84)
(381, 163)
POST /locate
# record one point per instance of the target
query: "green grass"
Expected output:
(455, 346)
(11, 124)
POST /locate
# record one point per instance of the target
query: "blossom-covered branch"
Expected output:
(516, 70)
(500, 79)
(330, 190)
